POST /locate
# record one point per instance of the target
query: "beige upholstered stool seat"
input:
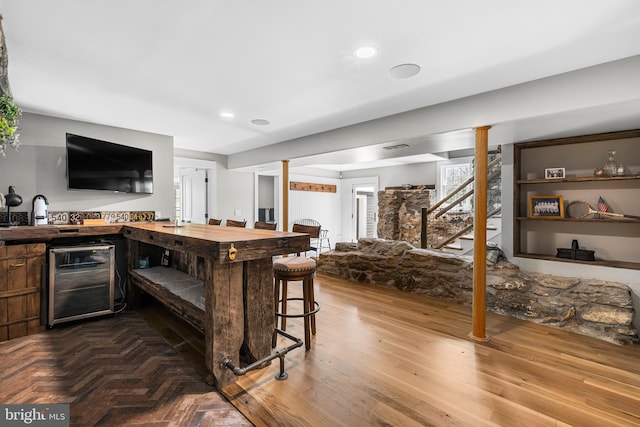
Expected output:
(295, 265)
(295, 269)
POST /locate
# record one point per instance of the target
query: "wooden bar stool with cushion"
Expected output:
(289, 269)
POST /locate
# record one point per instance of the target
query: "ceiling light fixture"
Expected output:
(227, 115)
(260, 122)
(404, 71)
(365, 52)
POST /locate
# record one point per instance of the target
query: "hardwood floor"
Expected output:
(381, 357)
(385, 357)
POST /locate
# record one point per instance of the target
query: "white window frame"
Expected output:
(441, 168)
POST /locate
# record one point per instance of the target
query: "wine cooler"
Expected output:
(81, 282)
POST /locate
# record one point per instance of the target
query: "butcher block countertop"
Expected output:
(43, 233)
(200, 239)
(218, 242)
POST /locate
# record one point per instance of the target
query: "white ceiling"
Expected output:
(172, 66)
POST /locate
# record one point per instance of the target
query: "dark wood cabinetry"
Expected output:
(616, 241)
(20, 277)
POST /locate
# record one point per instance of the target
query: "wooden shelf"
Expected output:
(577, 179)
(598, 262)
(597, 220)
(538, 238)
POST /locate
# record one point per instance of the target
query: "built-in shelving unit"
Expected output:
(616, 241)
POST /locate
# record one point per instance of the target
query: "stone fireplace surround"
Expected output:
(596, 308)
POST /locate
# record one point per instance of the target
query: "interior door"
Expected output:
(194, 184)
(364, 210)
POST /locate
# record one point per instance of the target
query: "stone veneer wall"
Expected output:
(400, 213)
(592, 307)
(401, 217)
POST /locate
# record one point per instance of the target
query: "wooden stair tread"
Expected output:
(454, 247)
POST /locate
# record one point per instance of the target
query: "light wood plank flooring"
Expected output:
(385, 357)
(381, 357)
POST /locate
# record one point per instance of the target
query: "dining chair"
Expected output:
(234, 223)
(265, 225)
(213, 221)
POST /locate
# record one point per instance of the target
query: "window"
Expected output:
(451, 174)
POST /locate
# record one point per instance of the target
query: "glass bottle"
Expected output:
(610, 167)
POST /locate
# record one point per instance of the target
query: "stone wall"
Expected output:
(592, 307)
(400, 213)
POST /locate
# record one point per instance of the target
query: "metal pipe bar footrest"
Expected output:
(279, 353)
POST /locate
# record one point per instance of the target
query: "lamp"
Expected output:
(11, 200)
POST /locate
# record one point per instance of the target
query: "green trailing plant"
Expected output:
(9, 117)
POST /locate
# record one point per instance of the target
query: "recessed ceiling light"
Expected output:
(260, 122)
(365, 52)
(227, 115)
(404, 71)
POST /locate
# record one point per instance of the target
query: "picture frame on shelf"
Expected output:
(546, 207)
(554, 173)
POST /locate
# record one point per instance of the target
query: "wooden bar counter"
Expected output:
(235, 265)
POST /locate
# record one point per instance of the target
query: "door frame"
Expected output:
(210, 165)
(187, 193)
(276, 195)
(348, 218)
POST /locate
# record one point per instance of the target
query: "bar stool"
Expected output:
(295, 268)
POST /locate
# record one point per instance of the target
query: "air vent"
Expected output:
(395, 147)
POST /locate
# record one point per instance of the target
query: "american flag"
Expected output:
(602, 205)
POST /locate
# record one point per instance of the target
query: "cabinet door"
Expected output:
(20, 274)
(17, 316)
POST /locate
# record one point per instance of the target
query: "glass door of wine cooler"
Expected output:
(81, 282)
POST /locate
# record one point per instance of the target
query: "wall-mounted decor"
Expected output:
(110, 217)
(546, 207)
(309, 186)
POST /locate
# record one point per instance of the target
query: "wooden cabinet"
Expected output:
(616, 241)
(20, 276)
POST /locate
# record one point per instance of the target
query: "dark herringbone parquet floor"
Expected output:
(112, 371)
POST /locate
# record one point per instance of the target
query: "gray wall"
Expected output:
(266, 191)
(40, 167)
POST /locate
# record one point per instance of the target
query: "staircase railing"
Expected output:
(464, 231)
(427, 211)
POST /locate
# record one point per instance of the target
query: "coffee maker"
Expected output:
(39, 210)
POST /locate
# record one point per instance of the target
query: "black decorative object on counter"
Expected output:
(11, 200)
(576, 253)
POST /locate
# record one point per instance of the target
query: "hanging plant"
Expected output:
(9, 117)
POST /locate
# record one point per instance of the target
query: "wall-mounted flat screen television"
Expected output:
(93, 164)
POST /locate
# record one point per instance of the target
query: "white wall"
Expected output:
(395, 176)
(235, 195)
(323, 207)
(40, 167)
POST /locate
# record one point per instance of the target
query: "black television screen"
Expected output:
(100, 165)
